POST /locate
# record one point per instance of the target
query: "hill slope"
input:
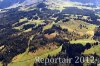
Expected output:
(43, 27)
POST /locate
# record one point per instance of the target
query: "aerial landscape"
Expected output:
(49, 32)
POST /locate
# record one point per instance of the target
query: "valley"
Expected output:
(49, 30)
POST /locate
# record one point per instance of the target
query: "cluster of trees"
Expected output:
(83, 12)
(20, 43)
(44, 13)
(15, 44)
(65, 33)
(71, 51)
(12, 48)
(97, 34)
(28, 26)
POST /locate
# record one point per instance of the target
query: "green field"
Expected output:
(74, 25)
(48, 26)
(95, 49)
(92, 50)
(0, 64)
(83, 41)
(37, 22)
(29, 62)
